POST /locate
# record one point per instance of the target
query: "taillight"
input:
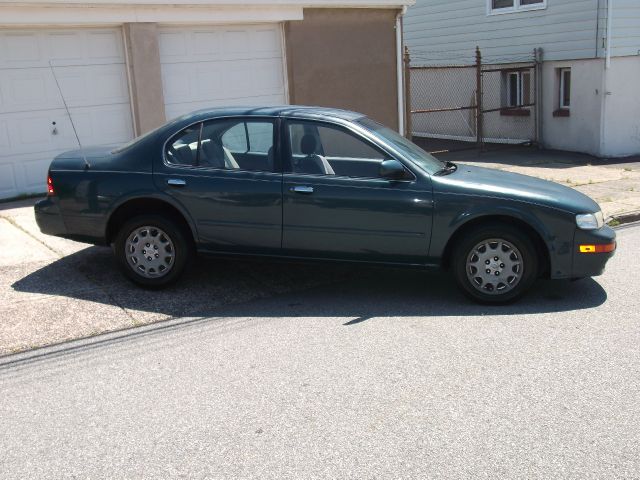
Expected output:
(50, 190)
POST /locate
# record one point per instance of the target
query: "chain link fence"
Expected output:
(472, 102)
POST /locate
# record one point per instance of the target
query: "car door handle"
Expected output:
(176, 182)
(302, 189)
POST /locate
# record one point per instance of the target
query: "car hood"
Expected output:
(489, 182)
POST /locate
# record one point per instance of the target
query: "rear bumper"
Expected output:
(48, 217)
(591, 264)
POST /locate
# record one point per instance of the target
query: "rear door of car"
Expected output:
(336, 205)
(225, 174)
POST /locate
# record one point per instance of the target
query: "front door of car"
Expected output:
(337, 205)
(224, 174)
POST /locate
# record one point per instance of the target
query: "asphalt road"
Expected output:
(389, 375)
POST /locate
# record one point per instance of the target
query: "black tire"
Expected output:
(523, 257)
(174, 241)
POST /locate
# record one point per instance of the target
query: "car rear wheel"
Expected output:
(152, 251)
(495, 264)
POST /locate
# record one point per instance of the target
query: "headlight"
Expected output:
(590, 221)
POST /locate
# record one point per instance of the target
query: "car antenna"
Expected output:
(84, 157)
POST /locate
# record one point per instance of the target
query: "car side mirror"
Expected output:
(392, 170)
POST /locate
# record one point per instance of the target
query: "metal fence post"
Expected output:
(479, 129)
(407, 94)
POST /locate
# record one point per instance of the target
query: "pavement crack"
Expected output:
(24, 230)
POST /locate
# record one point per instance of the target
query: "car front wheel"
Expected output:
(152, 251)
(495, 264)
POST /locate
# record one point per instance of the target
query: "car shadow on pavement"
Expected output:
(213, 287)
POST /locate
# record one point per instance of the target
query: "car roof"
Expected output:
(297, 111)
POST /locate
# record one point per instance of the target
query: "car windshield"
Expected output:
(410, 150)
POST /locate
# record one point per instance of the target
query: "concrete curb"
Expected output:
(624, 218)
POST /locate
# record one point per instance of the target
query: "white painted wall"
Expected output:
(579, 132)
(621, 129)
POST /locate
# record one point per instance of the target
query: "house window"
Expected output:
(565, 88)
(518, 89)
(509, 6)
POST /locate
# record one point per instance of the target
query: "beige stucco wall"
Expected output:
(344, 58)
(145, 77)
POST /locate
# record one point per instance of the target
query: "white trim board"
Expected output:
(100, 16)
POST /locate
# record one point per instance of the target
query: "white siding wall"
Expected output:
(451, 29)
(625, 28)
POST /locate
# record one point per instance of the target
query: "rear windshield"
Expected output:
(423, 160)
(130, 143)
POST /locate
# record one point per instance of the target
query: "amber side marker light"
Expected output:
(603, 248)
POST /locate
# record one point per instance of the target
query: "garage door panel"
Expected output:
(219, 66)
(31, 132)
(4, 136)
(178, 109)
(103, 125)
(90, 68)
(7, 181)
(206, 45)
(21, 48)
(92, 85)
(36, 48)
(105, 45)
(65, 45)
(35, 89)
(34, 172)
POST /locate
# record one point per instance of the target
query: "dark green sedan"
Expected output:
(311, 183)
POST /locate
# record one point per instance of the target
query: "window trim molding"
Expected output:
(521, 94)
(517, 8)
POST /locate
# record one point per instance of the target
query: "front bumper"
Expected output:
(49, 218)
(591, 264)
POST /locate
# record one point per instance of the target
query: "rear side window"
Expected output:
(229, 144)
(183, 148)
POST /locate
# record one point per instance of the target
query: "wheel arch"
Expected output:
(148, 205)
(521, 224)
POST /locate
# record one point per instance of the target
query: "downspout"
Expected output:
(607, 66)
(400, 71)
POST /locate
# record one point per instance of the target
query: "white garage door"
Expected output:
(221, 66)
(90, 67)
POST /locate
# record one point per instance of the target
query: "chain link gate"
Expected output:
(473, 103)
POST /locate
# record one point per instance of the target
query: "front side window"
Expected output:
(323, 149)
(506, 6)
(229, 144)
